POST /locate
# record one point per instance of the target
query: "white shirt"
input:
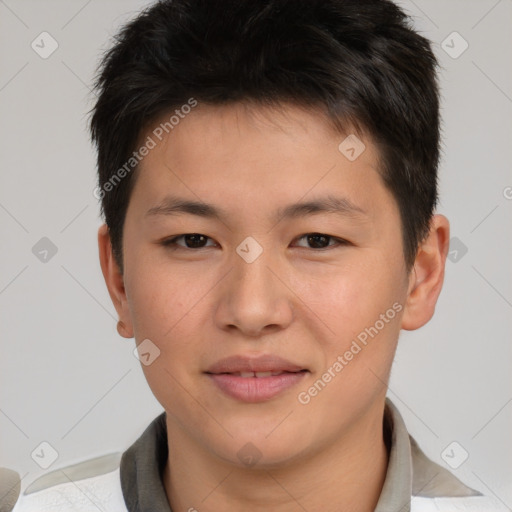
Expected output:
(132, 481)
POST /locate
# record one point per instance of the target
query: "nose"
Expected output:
(254, 298)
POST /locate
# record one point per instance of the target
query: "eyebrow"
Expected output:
(342, 206)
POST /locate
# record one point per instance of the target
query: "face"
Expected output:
(314, 294)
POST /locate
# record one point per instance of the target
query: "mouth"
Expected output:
(258, 375)
(262, 364)
(257, 379)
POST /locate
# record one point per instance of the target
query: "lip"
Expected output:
(263, 363)
(225, 374)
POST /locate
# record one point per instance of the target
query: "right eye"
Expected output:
(192, 241)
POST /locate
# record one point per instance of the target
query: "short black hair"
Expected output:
(359, 62)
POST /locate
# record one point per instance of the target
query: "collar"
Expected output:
(410, 472)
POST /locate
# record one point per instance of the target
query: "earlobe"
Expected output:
(115, 282)
(121, 329)
(427, 276)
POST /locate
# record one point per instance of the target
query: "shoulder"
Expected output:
(432, 488)
(435, 489)
(88, 486)
(457, 504)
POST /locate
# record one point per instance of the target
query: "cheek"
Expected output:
(363, 308)
(167, 306)
(157, 295)
(162, 310)
(348, 300)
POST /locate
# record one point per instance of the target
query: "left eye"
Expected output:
(198, 241)
(321, 241)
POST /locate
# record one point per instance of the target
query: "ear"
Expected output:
(427, 276)
(115, 282)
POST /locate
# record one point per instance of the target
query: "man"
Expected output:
(268, 178)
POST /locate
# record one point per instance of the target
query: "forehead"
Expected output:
(252, 156)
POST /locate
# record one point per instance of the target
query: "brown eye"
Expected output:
(321, 240)
(192, 241)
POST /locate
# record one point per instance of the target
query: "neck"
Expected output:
(348, 475)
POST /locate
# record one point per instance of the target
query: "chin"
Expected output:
(256, 449)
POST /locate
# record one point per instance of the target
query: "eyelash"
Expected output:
(171, 243)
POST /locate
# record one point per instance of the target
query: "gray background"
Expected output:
(67, 378)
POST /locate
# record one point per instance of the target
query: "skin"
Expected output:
(303, 303)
